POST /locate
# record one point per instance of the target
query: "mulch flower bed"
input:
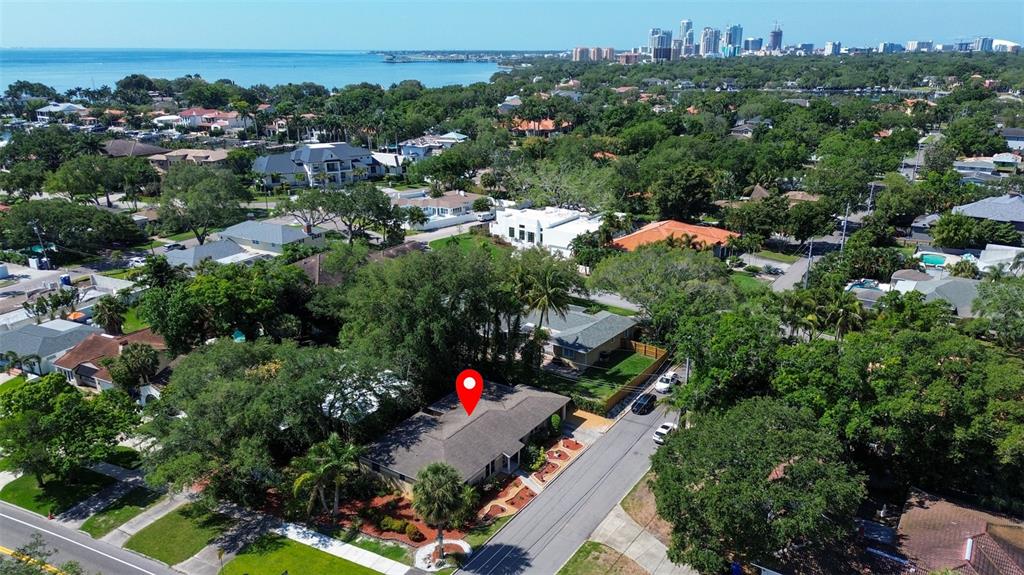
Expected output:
(398, 508)
(548, 469)
(571, 444)
(520, 500)
(557, 454)
(449, 548)
(493, 512)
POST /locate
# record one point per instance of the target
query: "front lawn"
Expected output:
(117, 513)
(746, 283)
(593, 557)
(389, 550)
(12, 384)
(132, 321)
(56, 495)
(180, 534)
(180, 237)
(477, 536)
(602, 380)
(274, 555)
(121, 274)
(777, 256)
(466, 242)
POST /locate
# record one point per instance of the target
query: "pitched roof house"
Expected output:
(714, 238)
(270, 237)
(478, 446)
(1006, 208)
(315, 164)
(83, 366)
(580, 338)
(221, 251)
(47, 341)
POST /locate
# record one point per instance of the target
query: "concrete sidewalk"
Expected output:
(341, 549)
(621, 533)
(74, 518)
(142, 520)
(249, 526)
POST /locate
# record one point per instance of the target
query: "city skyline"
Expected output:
(461, 25)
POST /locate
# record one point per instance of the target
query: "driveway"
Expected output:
(542, 537)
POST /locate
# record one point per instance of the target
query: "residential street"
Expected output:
(17, 527)
(542, 537)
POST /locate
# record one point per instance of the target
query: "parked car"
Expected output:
(136, 262)
(172, 247)
(663, 431)
(644, 404)
(665, 382)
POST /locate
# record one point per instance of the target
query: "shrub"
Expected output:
(556, 424)
(734, 261)
(536, 458)
(413, 533)
(752, 269)
(352, 531)
(589, 404)
(393, 524)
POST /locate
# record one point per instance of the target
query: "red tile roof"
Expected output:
(99, 346)
(545, 125)
(660, 231)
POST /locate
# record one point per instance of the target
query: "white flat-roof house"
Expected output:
(451, 209)
(552, 228)
(430, 145)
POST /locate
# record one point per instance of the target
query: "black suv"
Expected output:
(644, 404)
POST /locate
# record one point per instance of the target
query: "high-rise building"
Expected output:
(734, 35)
(710, 40)
(607, 53)
(806, 47)
(833, 48)
(753, 44)
(677, 48)
(686, 35)
(889, 48)
(775, 39)
(660, 44)
(580, 54)
(919, 45)
(982, 44)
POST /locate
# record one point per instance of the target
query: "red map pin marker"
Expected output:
(469, 385)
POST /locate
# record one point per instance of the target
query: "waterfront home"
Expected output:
(551, 228)
(53, 110)
(131, 148)
(490, 441)
(325, 165)
(163, 161)
(206, 119)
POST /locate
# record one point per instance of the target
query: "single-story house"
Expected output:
(268, 237)
(1006, 208)
(46, 341)
(453, 208)
(478, 446)
(83, 366)
(552, 228)
(1014, 138)
(580, 337)
(959, 293)
(221, 251)
(716, 239)
(937, 534)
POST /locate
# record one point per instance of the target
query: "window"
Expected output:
(511, 232)
(522, 235)
(529, 237)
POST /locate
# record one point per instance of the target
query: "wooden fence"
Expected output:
(660, 357)
(645, 349)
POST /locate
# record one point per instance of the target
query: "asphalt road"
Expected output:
(18, 525)
(542, 537)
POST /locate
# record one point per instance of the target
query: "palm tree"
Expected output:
(545, 283)
(109, 312)
(329, 462)
(844, 313)
(1017, 266)
(20, 361)
(997, 272)
(415, 216)
(437, 498)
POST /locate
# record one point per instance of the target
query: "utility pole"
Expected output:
(846, 219)
(810, 260)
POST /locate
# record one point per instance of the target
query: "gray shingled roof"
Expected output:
(275, 164)
(1008, 208)
(958, 292)
(209, 251)
(45, 339)
(468, 443)
(265, 232)
(582, 331)
(122, 148)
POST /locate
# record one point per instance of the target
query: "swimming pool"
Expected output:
(933, 259)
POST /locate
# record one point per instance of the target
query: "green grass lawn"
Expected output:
(478, 535)
(908, 251)
(125, 457)
(591, 304)
(132, 321)
(153, 245)
(5, 465)
(180, 534)
(274, 555)
(12, 384)
(467, 242)
(389, 550)
(593, 557)
(120, 511)
(56, 496)
(122, 274)
(777, 256)
(747, 283)
(602, 380)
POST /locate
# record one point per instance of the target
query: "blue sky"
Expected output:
(483, 24)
